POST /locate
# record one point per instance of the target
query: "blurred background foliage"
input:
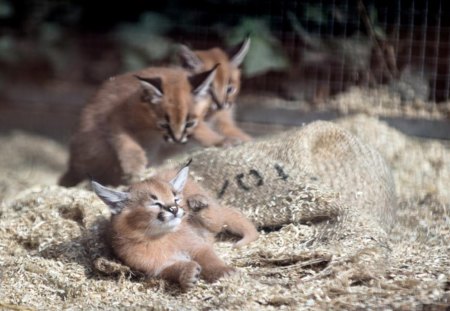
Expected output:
(51, 37)
(80, 40)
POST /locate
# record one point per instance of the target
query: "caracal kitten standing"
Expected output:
(161, 228)
(225, 87)
(135, 118)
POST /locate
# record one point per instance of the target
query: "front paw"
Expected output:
(128, 179)
(228, 142)
(197, 202)
(218, 272)
(190, 275)
(131, 175)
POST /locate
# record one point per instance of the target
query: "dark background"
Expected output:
(54, 53)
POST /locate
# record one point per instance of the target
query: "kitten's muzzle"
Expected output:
(172, 139)
(173, 209)
(217, 104)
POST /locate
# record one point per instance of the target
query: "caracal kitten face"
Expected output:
(135, 118)
(226, 85)
(164, 227)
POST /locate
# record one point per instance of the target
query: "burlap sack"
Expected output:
(318, 172)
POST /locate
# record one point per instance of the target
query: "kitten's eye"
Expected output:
(231, 89)
(153, 197)
(164, 125)
(157, 204)
(190, 123)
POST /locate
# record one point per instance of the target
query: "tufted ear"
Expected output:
(116, 200)
(179, 181)
(152, 89)
(202, 81)
(238, 53)
(189, 59)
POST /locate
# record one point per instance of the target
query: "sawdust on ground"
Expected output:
(53, 257)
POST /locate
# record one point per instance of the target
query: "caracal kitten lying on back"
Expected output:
(225, 87)
(147, 110)
(165, 226)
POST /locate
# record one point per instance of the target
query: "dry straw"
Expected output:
(334, 234)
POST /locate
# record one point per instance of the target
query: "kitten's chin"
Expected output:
(164, 227)
(171, 225)
(174, 224)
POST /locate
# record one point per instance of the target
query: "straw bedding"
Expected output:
(334, 232)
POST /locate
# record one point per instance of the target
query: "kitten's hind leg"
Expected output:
(186, 273)
(217, 218)
(236, 223)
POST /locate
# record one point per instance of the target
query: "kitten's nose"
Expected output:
(173, 209)
(180, 139)
(178, 132)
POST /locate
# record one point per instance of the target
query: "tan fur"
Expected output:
(118, 126)
(227, 75)
(212, 215)
(181, 255)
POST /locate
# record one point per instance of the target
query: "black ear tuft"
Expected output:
(189, 59)
(237, 53)
(201, 82)
(153, 84)
(188, 162)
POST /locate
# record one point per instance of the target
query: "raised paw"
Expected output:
(219, 272)
(197, 202)
(190, 275)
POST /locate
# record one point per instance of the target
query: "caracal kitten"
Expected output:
(136, 118)
(225, 87)
(165, 226)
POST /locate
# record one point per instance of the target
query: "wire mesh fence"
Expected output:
(301, 49)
